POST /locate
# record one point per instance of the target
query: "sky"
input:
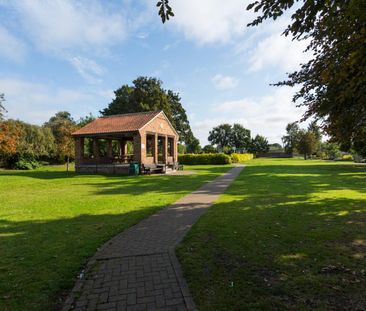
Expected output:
(58, 55)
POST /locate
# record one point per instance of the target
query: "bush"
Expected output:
(205, 158)
(26, 164)
(241, 157)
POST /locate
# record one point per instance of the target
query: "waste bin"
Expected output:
(134, 169)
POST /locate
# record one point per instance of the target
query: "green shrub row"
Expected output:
(241, 157)
(204, 158)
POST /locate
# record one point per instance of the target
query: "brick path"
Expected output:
(138, 269)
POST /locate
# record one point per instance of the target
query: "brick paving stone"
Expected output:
(137, 269)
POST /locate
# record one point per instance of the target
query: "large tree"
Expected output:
(62, 125)
(333, 83)
(307, 144)
(240, 137)
(221, 136)
(147, 94)
(292, 137)
(259, 144)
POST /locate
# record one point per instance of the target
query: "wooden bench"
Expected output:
(151, 168)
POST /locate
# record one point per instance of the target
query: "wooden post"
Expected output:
(109, 148)
(155, 149)
(165, 150)
(96, 149)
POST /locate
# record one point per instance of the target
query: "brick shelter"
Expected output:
(109, 144)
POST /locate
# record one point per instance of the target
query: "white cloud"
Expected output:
(88, 69)
(11, 47)
(224, 82)
(64, 24)
(210, 21)
(278, 51)
(266, 115)
(37, 102)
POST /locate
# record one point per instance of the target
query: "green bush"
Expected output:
(205, 158)
(26, 164)
(241, 157)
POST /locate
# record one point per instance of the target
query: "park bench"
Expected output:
(151, 168)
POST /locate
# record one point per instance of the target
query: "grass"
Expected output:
(52, 221)
(288, 234)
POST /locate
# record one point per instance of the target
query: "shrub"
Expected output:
(347, 157)
(26, 164)
(241, 157)
(205, 158)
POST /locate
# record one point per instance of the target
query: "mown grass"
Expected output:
(52, 221)
(287, 235)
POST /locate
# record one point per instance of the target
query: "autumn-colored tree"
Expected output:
(10, 134)
(62, 125)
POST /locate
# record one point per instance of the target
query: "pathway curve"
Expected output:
(138, 269)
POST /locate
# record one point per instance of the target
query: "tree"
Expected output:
(292, 138)
(307, 144)
(240, 137)
(331, 150)
(333, 83)
(147, 94)
(85, 120)
(275, 147)
(259, 144)
(62, 125)
(221, 136)
(2, 108)
(193, 146)
(209, 149)
(315, 129)
(10, 134)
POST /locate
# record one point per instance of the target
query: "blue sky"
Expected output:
(71, 55)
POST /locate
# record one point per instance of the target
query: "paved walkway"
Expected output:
(138, 269)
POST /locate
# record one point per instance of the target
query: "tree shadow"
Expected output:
(290, 238)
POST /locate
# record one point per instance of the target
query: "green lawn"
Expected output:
(51, 221)
(287, 235)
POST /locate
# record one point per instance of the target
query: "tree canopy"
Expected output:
(259, 144)
(333, 83)
(2, 108)
(147, 94)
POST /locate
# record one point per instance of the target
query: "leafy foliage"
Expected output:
(241, 157)
(227, 137)
(2, 108)
(85, 120)
(165, 11)
(259, 144)
(62, 125)
(204, 158)
(209, 149)
(307, 144)
(333, 83)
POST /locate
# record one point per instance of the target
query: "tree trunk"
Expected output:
(67, 164)
(304, 156)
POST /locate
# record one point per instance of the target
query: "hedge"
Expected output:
(205, 158)
(241, 157)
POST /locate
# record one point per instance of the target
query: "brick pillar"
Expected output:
(79, 150)
(165, 150)
(96, 148)
(137, 148)
(155, 149)
(109, 148)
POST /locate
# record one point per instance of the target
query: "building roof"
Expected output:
(120, 123)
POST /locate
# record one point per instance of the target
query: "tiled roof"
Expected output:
(118, 123)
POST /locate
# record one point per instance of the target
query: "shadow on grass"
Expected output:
(40, 259)
(282, 238)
